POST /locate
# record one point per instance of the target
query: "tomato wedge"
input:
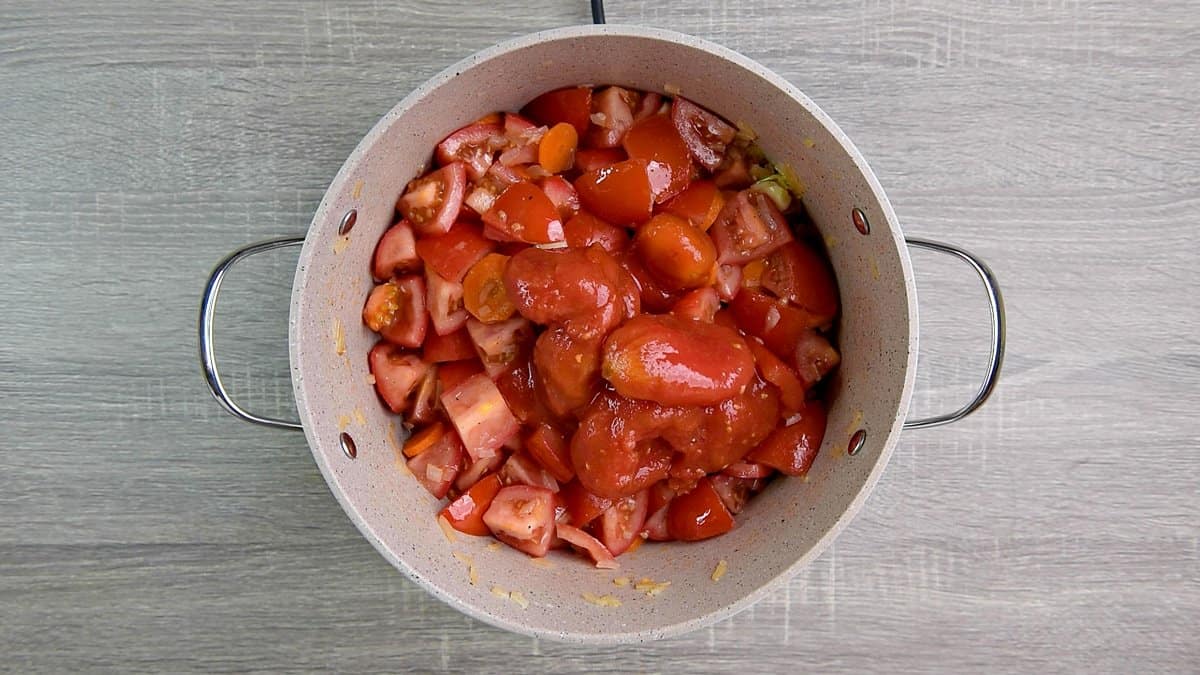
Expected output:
(621, 523)
(436, 467)
(620, 193)
(589, 544)
(699, 514)
(521, 469)
(445, 301)
(772, 369)
(397, 374)
(800, 275)
(705, 134)
(585, 229)
(500, 345)
(432, 203)
(778, 324)
(547, 445)
(815, 357)
(396, 253)
(454, 346)
(582, 506)
(590, 159)
(474, 145)
(613, 115)
(562, 194)
(792, 449)
(699, 204)
(465, 514)
(750, 226)
(700, 304)
(523, 517)
(523, 213)
(479, 413)
(424, 408)
(656, 140)
(572, 105)
(396, 310)
(453, 253)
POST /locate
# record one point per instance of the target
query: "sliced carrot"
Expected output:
(484, 294)
(752, 273)
(699, 204)
(556, 152)
(423, 439)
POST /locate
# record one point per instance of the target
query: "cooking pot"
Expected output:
(355, 440)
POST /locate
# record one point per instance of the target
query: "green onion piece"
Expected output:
(778, 193)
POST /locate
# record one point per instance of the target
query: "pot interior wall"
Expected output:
(780, 529)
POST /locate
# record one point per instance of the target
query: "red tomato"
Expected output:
(450, 375)
(734, 492)
(582, 506)
(523, 517)
(396, 374)
(815, 357)
(396, 253)
(500, 345)
(734, 172)
(699, 204)
(654, 296)
(584, 291)
(521, 390)
(455, 346)
(705, 134)
(523, 213)
(621, 522)
(591, 159)
(479, 413)
(569, 368)
(656, 525)
(675, 362)
(698, 514)
(396, 310)
(562, 194)
(655, 139)
(729, 281)
(453, 253)
(793, 448)
(474, 145)
(677, 254)
(476, 470)
(465, 514)
(436, 467)
(750, 470)
(800, 275)
(520, 469)
(700, 304)
(424, 408)
(778, 324)
(772, 369)
(585, 229)
(613, 116)
(547, 445)
(727, 431)
(651, 104)
(445, 301)
(617, 449)
(431, 203)
(589, 544)
(750, 226)
(572, 105)
(620, 193)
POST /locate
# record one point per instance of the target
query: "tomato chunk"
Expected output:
(524, 213)
(620, 193)
(450, 375)
(445, 301)
(591, 159)
(750, 226)
(453, 253)
(521, 390)
(396, 253)
(797, 273)
(618, 448)
(474, 145)
(734, 492)
(562, 194)
(572, 105)
(677, 254)
(425, 399)
(569, 368)
(465, 514)
(521, 469)
(778, 324)
(584, 229)
(699, 204)
(815, 357)
(432, 203)
(748, 470)
(700, 304)
(475, 470)
(705, 134)
(455, 346)
(621, 523)
(586, 291)
(397, 374)
(523, 517)
(547, 445)
(698, 514)
(582, 506)
(727, 431)
(396, 310)
(774, 370)
(589, 544)
(500, 345)
(613, 115)
(676, 362)
(792, 449)
(655, 139)
(479, 413)
(436, 467)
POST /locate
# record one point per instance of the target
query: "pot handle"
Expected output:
(996, 308)
(208, 305)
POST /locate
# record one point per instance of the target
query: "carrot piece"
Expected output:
(424, 439)
(556, 152)
(752, 273)
(484, 294)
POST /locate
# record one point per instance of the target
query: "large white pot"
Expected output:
(780, 530)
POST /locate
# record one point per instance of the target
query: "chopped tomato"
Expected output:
(436, 467)
(675, 362)
(521, 391)
(396, 253)
(556, 150)
(465, 514)
(700, 304)
(396, 310)
(774, 370)
(612, 116)
(474, 145)
(455, 346)
(750, 226)
(582, 506)
(562, 194)
(500, 345)
(547, 445)
(698, 514)
(589, 544)
(424, 439)
(793, 448)
(424, 408)
(501, 176)
(734, 171)
(475, 470)
(585, 229)
(619, 193)
(815, 357)
(523, 517)
(699, 204)
(621, 523)
(484, 294)
(677, 254)
(752, 273)
(445, 301)
(431, 203)
(778, 324)
(800, 275)
(521, 469)
(729, 281)
(520, 131)
(656, 525)
(748, 470)
(569, 369)
(655, 297)
(618, 450)
(656, 140)
(453, 253)
(733, 491)
(705, 134)
(450, 375)
(726, 432)
(651, 104)
(479, 413)
(523, 213)
(591, 159)
(584, 291)
(572, 105)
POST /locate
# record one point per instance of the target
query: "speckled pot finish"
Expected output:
(782, 529)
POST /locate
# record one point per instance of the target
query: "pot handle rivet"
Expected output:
(348, 221)
(860, 221)
(208, 306)
(856, 442)
(348, 446)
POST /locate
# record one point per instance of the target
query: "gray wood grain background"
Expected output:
(143, 529)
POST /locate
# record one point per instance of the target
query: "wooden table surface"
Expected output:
(141, 528)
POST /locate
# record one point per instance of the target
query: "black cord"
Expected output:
(597, 11)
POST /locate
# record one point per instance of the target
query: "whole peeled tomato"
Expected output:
(676, 253)
(585, 291)
(676, 362)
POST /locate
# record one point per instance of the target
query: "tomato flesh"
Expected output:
(445, 301)
(705, 134)
(523, 517)
(478, 411)
(547, 445)
(454, 346)
(473, 145)
(800, 275)
(699, 204)
(698, 514)
(453, 253)
(521, 469)
(396, 253)
(572, 105)
(815, 357)
(779, 325)
(750, 226)
(621, 523)
(524, 213)
(772, 369)
(700, 304)
(437, 467)
(396, 310)
(500, 345)
(619, 193)
(582, 506)
(655, 139)
(397, 374)
(465, 514)
(792, 449)
(432, 203)
(589, 544)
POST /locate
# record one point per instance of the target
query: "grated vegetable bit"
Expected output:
(370, 378)
(744, 134)
(341, 244)
(494, 546)
(343, 422)
(621, 581)
(358, 417)
(720, 570)
(472, 575)
(339, 338)
(830, 241)
(651, 587)
(519, 598)
(601, 600)
(358, 186)
(541, 562)
(447, 529)
(551, 245)
(672, 89)
(499, 592)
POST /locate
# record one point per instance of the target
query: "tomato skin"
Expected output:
(451, 374)
(547, 445)
(397, 374)
(569, 368)
(396, 310)
(584, 291)
(523, 517)
(523, 213)
(582, 506)
(474, 145)
(591, 159)
(455, 346)
(620, 193)
(815, 357)
(778, 324)
(699, 204)
(520, 386)
(437, 467)
(589, 544)
(705, 134)
(751, 470)
(396, 253)
(453, 253)
(676, 362)
(655, 139)
(792, 449)
(479, 414)
(500, 346)
(774, 370)
(465, 514)
(621, 523)
(749, 226)
(726, 432)
(572, 105)
(800, 275)
(432, 203)
(698, 514)
(677, 254)
(584, 229)
(444, 299)
(700, 304)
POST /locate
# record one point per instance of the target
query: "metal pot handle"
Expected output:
(208, 305)
(996, 307)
